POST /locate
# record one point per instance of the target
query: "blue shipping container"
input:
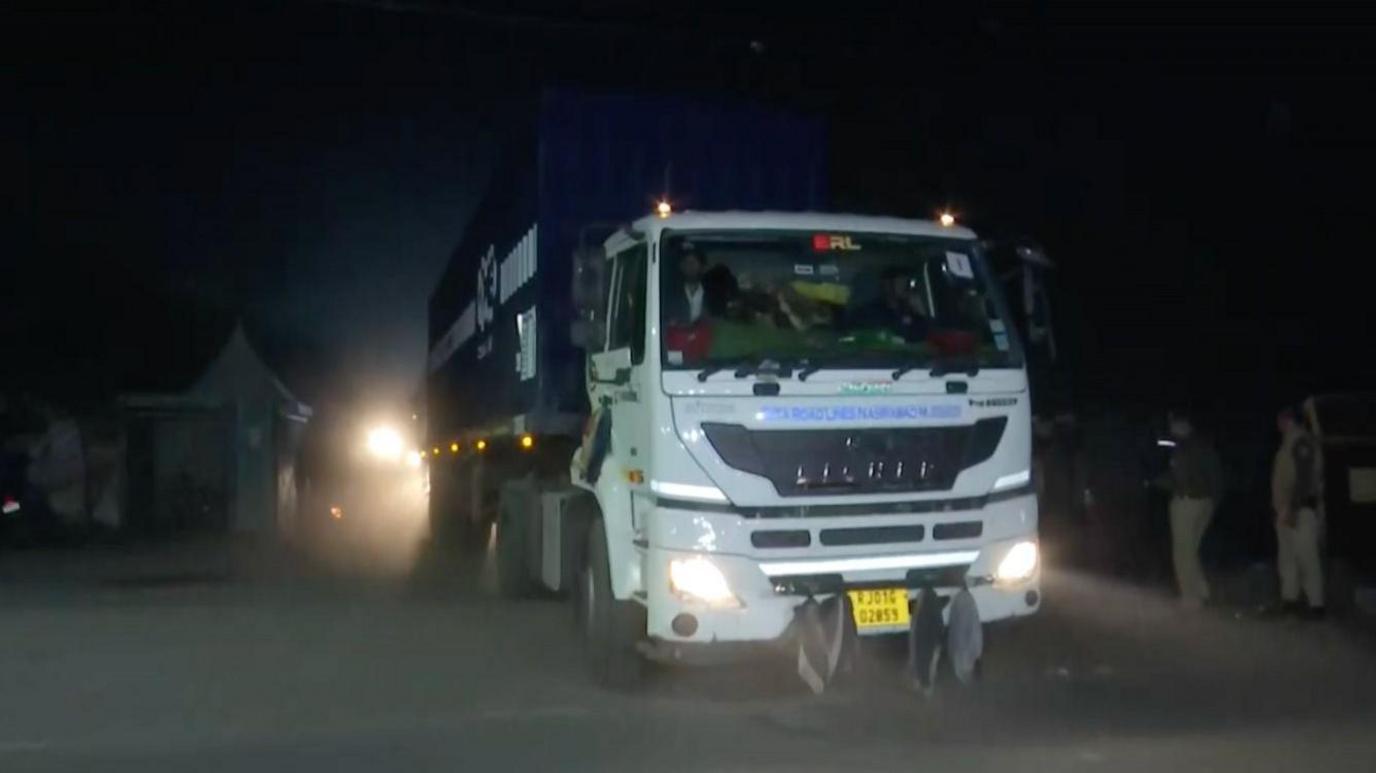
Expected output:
(500, 354)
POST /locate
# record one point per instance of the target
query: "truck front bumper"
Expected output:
(768, 605)
(769, 588)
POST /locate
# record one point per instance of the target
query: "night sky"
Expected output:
(1202, 177)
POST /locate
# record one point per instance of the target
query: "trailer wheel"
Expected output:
(610, 629)
(473, 522)
(513, 577)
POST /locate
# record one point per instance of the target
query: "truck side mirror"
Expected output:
(1032, 254)
(1035, 298)
(587, 334)
(589, 298)
(589, 273)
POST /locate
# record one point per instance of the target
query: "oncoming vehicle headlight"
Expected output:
(698, 579)
(1018, 564)
(385, 443)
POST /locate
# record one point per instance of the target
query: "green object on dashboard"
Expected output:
(736, 340)
(731, 340)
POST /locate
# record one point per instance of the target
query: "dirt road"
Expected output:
(308, 670)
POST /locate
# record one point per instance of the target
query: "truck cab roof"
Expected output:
(798, 221)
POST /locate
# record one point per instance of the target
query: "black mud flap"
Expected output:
(827, 640)
(925, 635)
(964, 637)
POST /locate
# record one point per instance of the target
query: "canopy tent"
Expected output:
(220, 456)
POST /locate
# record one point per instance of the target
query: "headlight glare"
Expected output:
(698, 579)
(1018, 564)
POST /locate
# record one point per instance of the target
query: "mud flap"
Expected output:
(964, 637)
(925, 634)
(826, 640)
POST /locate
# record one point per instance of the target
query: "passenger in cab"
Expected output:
(720, 292)
(685, 306)
(897, 309)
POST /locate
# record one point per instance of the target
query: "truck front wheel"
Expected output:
(610, 628)
(513, 576)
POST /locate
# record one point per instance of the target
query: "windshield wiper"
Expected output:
(782, 369)
(967, 366)
(708, 371)
(807, 368)
(747, 366)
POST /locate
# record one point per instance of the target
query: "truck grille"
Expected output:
(845, 461)
(865, 535)
(819, 584)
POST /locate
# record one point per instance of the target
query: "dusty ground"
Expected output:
(244, 659)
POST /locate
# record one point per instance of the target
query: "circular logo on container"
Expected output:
(487, 288)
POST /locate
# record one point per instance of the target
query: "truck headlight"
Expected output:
(698, 579)
(1018, 564)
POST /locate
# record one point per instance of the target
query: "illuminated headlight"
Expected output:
(385, 443)
(1018, 564)
(698, 579)
(688, 491)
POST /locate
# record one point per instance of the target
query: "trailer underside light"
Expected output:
(436, 449)
(481, 445)
(527, 442)
(453, 448)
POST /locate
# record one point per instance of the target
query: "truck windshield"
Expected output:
(829, 300)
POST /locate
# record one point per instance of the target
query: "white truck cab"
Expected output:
(789, 406)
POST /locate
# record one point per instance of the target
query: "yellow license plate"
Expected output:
(879, 608)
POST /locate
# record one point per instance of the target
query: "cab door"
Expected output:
(619, 380)
(619, 376)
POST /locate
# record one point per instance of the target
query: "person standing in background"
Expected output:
(1195, 482)
(1296, 493)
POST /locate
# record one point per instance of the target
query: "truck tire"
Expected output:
(472, 519)
(513, 576)
(610, 629)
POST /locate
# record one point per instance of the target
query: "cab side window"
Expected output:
(628, 310)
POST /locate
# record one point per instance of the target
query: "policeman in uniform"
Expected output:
(1195, 481)
(1296, 494)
